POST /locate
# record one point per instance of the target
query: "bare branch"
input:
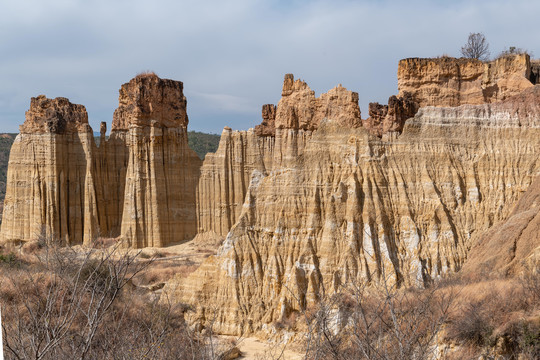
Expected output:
(476, 47)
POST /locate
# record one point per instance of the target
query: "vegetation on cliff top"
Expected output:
(203, 143)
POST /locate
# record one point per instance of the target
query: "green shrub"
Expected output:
(203, 143)
(9, 259)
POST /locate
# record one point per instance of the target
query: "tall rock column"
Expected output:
(225, 177)
(162, 171)
(51, 188)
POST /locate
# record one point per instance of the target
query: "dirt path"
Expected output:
(255, 349)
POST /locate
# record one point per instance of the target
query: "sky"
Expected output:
(232, 55)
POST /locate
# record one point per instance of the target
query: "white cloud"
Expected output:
(225, 102)
(232, 55)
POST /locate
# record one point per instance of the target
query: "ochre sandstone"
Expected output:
(225, 176)
(279, 140)
(389, 119)
(350, 207)
(268, 125)
(300, 109)
(162, 171)
(512, 245)
(447, 81)
(139, 184)
(51, 185)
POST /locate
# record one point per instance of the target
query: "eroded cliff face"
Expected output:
(300, 109)
(389, 119)
(277, 142)
(139, 184)
(225, 177)
(308, 200)
(51, 185)
(511, 245)
(448, 81)
(350, 206)
(162, 171)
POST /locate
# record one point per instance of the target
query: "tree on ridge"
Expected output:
(476, 47)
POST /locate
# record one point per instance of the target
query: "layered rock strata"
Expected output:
(162, 171)
(448, 81)
(139, 184)
(225, 175)
(511, 245)
(277, 142)
(51, 180)
(390, 119)
(308, 201)
(351, 207)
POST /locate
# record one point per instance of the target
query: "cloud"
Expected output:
(225, 102)
(232, 55)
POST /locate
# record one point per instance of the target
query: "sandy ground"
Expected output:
(186, 257)
(253, 348)
(193, 253)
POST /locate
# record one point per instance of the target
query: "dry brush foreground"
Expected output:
(93, 303)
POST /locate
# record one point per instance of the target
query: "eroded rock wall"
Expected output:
(139, 184)
(275, 144)
(162, 172)
(353, 207)
(51, 185)
(448, 81)
(225, 177)
(389, 119)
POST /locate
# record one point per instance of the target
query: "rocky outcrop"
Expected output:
(390, 119)
(278, 141)
(351, 206)
(448, 81)
(268, 125)
(51, 186)
(54, 116)
(300, 109)
(225, 176)
(162, 171)
(512, 245)
(139, 183)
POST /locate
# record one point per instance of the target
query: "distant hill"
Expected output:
(5, 146)
(203, 143)
(200, 142)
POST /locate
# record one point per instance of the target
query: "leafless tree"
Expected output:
(368, 321)
(83, 305)
(476, 47)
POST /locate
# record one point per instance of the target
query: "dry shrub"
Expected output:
(531, 283)
(69, 304)
(145, 255)
(493, 316)
(158, 254)
(103, 243)
(525, 336)
(288, 322)
(497, 313)
(160, 272)
(377, 321)
(33, 247)
(473, 326)
(145, 74)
